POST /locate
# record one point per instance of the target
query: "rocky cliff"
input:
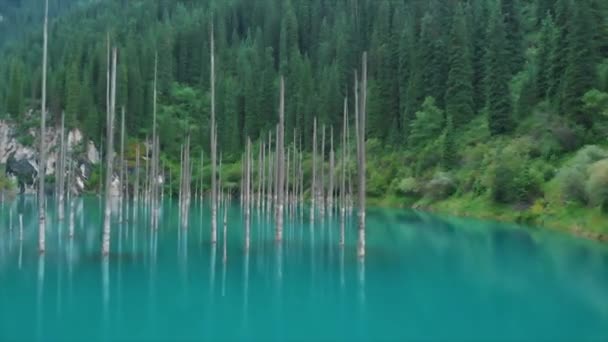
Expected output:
(21, 162)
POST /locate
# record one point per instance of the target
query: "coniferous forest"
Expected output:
(494, 108)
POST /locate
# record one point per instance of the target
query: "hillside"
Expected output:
(480, 107)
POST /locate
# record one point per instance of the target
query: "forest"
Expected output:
(481, 107)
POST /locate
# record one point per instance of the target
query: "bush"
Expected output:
(441, 186)
(596, 186)
(408, 187)
(572, 177)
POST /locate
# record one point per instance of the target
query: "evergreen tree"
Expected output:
(548, 37)
(579, 76)
(459, 93)
(15, 105)
(497, 77)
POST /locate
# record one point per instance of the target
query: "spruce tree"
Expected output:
(497, 77)
(579, 76)
(459, 93)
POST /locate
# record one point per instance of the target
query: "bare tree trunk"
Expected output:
(60, 172)
(136, 186)
(322, 170)
(313, 187)
(122, 165)
(109, 160)
(247, 193)
(260, 168)
(155, 152)
(361, 157)
(280, 162)
(262, 198)
(270, 173)
(330, 191)
(343, 176)
(42, 166)
(213, 147)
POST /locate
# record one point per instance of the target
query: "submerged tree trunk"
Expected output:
(280, 163)
(60, 172)
(343, 174)
(109, 158)
(42, 166)
(361, 156)
(122, 165)
(247, 194)
(330, 190)
(313, 187)
(213, 147)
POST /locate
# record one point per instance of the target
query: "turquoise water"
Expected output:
(423, 278)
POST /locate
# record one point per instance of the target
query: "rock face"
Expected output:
(21, 162)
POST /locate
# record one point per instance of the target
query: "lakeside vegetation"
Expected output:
(485, 108)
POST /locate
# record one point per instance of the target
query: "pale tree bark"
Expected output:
(343, 174)
(213, 147)
(330, 190)
(362, 157)
(122, 165)
(60, 172)
(313, 187)
(270, 174)
(136, 185)
(280, 162)
(105, 247)
(247, 193)
(42, 166)
(260, 167)
(322, 171)
(155, 152)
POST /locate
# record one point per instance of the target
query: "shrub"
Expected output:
(441, 186)
(596, 186)
(408, 187)
(571, 178)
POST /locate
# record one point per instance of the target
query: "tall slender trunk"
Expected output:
(322, 170)
(343, 175)
(60, 171)
(42, 166)
(213, 146)
(361, 156)
(280, 162)
(260, 167)
(313, 187)
(330, 190)
(122, 165)
(109, 159)
(136, 186)
(247, 194)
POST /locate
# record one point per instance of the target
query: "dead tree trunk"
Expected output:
(361, 156)
(313, 187)
(213, 147)
(280, 163)
(247, 193)
(60, 171)
(42, 167)
(122, 165)
(136, 186)
(109, 160)
(322, 170)
(330, 190)
(343, 174)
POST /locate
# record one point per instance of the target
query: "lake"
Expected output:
(424, 277)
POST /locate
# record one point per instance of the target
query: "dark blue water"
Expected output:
(423, 278)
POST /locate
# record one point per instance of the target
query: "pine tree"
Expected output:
(459, 94)
(449, 152)
(72, 96)
(544, 77)
(14, 101)
(579, 76)
(497, 77)
(513, 34)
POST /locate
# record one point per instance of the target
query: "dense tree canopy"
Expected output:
(495, 59)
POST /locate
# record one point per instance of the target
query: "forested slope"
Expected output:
(480, 98)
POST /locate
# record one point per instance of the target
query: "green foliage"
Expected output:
(572, 176)
(441, 186)
(427, 125)
(596, 186)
